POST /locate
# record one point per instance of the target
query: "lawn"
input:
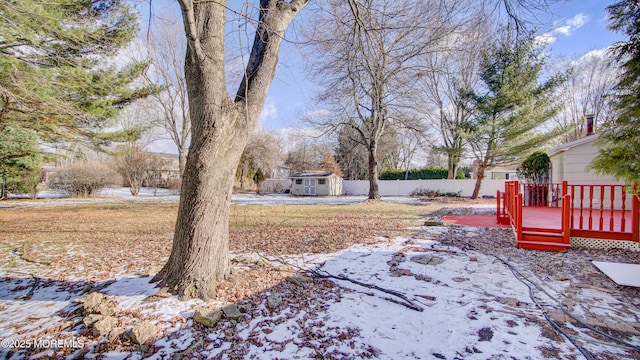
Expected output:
(105, 240)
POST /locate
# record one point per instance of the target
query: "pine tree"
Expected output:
(56, 77)
(513, 105)
(20, 161)
(620, 138)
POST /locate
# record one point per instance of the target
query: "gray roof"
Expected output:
(311, 174)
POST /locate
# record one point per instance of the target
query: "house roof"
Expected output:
(311, 174)
(574, 143)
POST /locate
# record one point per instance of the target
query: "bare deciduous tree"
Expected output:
(368, 53)
(448, 78)
(134, 167)
(220, 128)
(590, 80)
(263, 151)
(166, 48)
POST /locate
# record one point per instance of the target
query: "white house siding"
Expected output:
(570, 162)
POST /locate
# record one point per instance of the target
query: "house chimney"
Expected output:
(590, 127)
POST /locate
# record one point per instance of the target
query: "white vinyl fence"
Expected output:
(406, 187)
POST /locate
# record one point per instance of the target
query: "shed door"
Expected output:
(309, 186)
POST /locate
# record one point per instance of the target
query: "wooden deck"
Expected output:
(551, 227)
(596, 220)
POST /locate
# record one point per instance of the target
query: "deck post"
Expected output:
(519, 217)
(566, 214)
(635, 218)
(565, 188)
(498, 215)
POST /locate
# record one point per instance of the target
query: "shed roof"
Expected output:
(311, 174)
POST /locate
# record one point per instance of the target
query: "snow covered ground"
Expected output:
(404, 298)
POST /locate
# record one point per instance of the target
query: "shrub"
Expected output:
(425, 173)
(434, 193)
(84, 179)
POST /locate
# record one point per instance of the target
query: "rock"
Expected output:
(91, 302)
(432, 222)
(142, 332)
(460, 279)
(427, 260)
(104, 309)
(116, 333)
(96, 303)
(231, 311)
(207, 315)
(91, 319)
(274, 301)
(297, 280)
(485, 334)
(245, 308)
(104, 326)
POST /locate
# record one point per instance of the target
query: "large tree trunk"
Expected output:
(220, 129)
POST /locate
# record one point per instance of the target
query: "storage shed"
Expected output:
(316, 184)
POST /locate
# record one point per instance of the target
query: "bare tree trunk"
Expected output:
(479, 177)
(373, 172)
(182, 159)
(453, 166)
(220, 129)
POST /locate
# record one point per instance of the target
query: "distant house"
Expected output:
(316, 184)
(504, 172)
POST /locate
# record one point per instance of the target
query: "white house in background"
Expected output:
(570, 162)
(503, 172)
(316, 184)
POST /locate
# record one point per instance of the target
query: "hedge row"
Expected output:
(425, 173)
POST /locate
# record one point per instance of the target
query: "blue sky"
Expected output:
(574, 29)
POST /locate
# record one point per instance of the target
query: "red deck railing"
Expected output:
(591, 211)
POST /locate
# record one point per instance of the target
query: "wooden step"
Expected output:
(543, 245)
(542, 237)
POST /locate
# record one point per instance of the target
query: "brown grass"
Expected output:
(105, 240)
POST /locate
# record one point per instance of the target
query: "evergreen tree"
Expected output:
(513, 105)
(258, 178)
(620, 139)
(55, 75)
(20, 161)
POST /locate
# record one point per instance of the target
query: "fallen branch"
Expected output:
(406, 301)
(316, 273)
(32, 290)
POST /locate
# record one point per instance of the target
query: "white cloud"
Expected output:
(578, 20)
(269, 110)
(565, 29)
